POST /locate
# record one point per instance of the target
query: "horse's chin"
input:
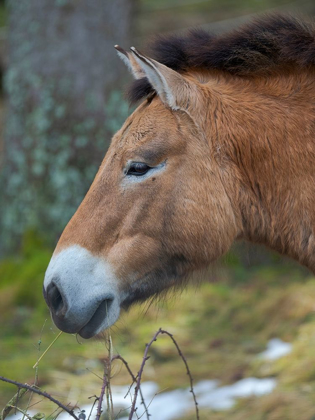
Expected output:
(155, 285)
(104, 317)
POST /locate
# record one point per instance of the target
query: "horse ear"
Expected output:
(130, 62)
(173, 89)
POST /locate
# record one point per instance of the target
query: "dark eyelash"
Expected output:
(138, 169)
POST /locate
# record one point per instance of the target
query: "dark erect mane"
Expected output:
(261, 47)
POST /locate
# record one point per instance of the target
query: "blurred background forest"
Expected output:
(62, 98)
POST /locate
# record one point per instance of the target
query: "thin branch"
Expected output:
(96, 398)
(23, 412)
(134, 379)
(121, 411)
(129, 389)
(108, 365)
(146, 357)
(58, 414)
(12, 403)
(95, 374)
(35, 403)
(51, 415)
(187, 369)
(101, 397)
(43, 393)
(147, 407)
(36, 369)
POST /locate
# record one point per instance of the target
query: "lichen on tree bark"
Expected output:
(62, 107)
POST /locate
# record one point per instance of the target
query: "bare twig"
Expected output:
(23, 388)
(108, 365)
(96, 398)
(146, 357)
(23, 412)
(134, 379)
(101, 397)
(35, 403)
(187, 369)
(12, 403)
(95, 374)
(36, 369)
(57, 415)
(43, 393)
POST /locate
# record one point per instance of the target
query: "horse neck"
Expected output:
(263, 136)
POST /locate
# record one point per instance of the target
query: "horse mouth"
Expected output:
(102, 319)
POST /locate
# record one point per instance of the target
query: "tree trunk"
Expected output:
(62, 108)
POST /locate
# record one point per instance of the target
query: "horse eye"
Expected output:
(138, 169)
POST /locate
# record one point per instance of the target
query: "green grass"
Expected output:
(221, 326)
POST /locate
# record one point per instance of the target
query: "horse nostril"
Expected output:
(55, 300)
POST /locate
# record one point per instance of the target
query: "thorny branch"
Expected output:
(191, 380)
(106, 384)
(12, 403)
(43, 393)
(96, 398)
(146, 357)
(134, 379)
(101, 397)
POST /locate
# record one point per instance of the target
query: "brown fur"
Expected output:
(240, 165)
(262, 47)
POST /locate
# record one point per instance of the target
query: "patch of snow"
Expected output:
(223, 398)
(18, 415)
(172, 405)
(205, 386)
(276, 348)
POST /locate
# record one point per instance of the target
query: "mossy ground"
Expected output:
(220, 326)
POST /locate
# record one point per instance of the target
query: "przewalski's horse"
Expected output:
(221, 148)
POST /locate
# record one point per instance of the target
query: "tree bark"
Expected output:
(62, 107)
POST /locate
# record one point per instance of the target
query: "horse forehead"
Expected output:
(145, 122)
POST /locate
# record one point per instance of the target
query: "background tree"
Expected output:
(62, 109)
